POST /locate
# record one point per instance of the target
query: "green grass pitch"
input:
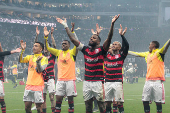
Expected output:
(132, 97)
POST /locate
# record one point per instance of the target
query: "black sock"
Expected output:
(71, 106)
(146, 106)
(115, 108)
(58, 107)
(121, 109)
(3, 106)
(159, 107)
(53, 109)
(108, 109)
(44, 110)
(136, 80)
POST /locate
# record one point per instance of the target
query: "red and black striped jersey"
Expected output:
(48, 73)
(94, 63)
(113, 63)
(113, 67)
(1, 68)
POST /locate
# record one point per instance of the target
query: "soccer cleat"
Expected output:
(95, 109)
(34, 108)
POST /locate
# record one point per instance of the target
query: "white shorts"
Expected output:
(93, 89)
(33, 96)
(66, 88)
(114, 90)
(50, 86)
(154, 91)
(2, 92)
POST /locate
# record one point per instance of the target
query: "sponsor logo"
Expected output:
(92, 59)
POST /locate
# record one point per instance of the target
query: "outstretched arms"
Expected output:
(108, 40)
(69, 33)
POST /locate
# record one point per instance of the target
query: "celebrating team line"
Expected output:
(103, 77)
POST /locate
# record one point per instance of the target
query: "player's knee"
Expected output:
(51, 95)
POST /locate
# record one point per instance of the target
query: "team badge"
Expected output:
(116, 56)
(96, 50)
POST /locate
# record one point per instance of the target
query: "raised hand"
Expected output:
(121, 32)
(72, 24)
(39, 58)
(37, 31)
(124, 31)
(46, 32)
(52, 30)
(98, 30)
(23, 44)
(18, 50)
(115, 18)
(63, 22)
(93, 32)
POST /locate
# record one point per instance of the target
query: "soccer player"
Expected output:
(113, 74)
(94, 58)
(35, 82)
(49, 77)
(154, 88)
(2, 93)
(14, 74)
(65, 85)
(48, 73)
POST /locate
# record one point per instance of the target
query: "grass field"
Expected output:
(132, 96)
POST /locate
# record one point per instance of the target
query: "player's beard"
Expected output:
(92, 44)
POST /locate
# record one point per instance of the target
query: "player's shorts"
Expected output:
(50, 86)
(93, 89)
(114, 91)
(154, 91)
(66, 88)
(33, 96)
(2, 92)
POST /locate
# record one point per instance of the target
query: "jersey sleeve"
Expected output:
(25, 59)
(104, 52)
(73, 51)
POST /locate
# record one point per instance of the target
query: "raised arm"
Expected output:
(72, 30)
(51, 50)
(108, 40)
(125, 44)
(123, 33)
(52, 38)
(164, 49)
(23, 46)
(69, 33)
(138, 54)
(37, 33)
(1, 48)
